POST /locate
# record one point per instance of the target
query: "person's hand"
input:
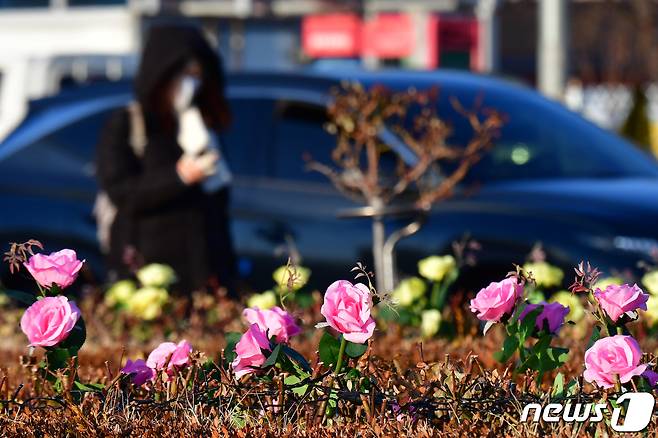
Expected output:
(194, 169)
(208, 161)
(189, 170)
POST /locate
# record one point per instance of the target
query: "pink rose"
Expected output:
(171, 354)
(608, 357)
(139, 372)
(496, 300)
(275, 321)
(552, 314)
(49, 321)
(616, 300)
(60, 268)
(249, 351)
(347, 309)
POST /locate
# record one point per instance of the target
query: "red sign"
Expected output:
(456, 34)
(389, 36)
(331, 36)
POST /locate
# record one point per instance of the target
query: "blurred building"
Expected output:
(50, 44)
(592, 45)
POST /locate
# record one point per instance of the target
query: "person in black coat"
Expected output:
(159, 162)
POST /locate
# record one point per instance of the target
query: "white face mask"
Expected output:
(188, 88)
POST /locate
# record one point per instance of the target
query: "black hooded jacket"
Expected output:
(159, 216)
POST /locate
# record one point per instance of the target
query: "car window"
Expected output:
(541, 140)
(299, 136)
(245, 143)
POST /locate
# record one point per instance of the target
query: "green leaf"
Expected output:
(355, 350)
(513, 320)
(543, 358)
(527, 325)
(328, 349)
(596, 335)
(57, 358)
(76, 338)
(510, 346)
(294, 380)
(558, 356)
(297, 359)
(90, 387)
(21, 297)
(232, 338)
(558, 386)
(273, 357)
(572, 387)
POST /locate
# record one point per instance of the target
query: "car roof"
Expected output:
(308, 85)
(316, 80)
(46, 115)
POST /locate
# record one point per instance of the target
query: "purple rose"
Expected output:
(651, 376)
(138, 371)
(552, 314)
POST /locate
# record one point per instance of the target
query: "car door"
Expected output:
(278, 207)
(47, 185)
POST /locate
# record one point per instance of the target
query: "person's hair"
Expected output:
(168, 51)
(210, 97)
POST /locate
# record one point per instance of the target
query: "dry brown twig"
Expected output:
(358, 117)
(19, 253)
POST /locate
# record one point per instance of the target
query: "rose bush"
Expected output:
(58, 268)
(249, 351)
(617, 300)
(612, 357)
(276, 322)
(170, 355)
(435, 268)
(347, 308)
(545, 274)
(409, 291)
(120, 293)
(497, 300)
(430, 323)
(156, 275)
(139, 372)
(551, 317)
(282, 277)
(572, 302)
(265, 300)
(49, 321)
(147, 303)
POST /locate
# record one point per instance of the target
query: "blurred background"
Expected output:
(69, 61)
(598, 56)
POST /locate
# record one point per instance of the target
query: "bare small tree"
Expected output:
(367, 124)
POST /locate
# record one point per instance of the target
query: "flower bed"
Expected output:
(325, 365)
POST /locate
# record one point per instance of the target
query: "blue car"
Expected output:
(552, 177)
